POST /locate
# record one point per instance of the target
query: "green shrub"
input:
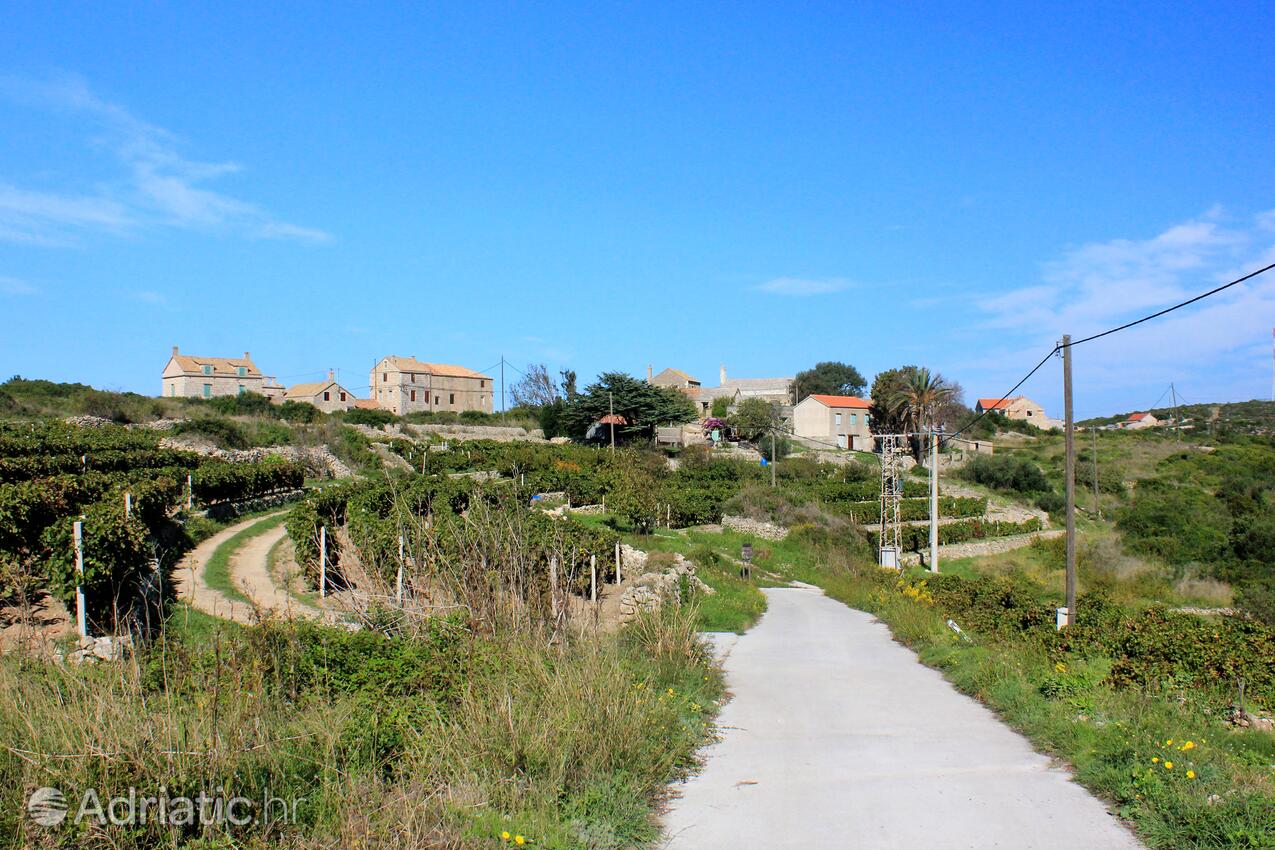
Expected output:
(1181, 524)
(363, 416)
(1006, 472)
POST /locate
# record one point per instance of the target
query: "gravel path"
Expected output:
(250, 572)
(837, 738)
(192, 584)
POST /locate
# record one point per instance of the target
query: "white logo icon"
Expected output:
(47, 806)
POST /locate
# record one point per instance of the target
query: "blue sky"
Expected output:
(602, 186)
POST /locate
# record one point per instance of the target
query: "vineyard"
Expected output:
(129, 494)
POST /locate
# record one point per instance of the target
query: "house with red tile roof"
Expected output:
(834, 420)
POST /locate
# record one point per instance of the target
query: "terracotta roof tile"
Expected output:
(841, 401)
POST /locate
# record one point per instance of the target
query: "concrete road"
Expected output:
(837, 737)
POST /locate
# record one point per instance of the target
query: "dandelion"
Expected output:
(1190, 774)
(1060, 667)
(1169, 743)
(1155, 760)
(1189, 745)
(670, 692)
(504, 836)
(1168, 765)
(519, 840)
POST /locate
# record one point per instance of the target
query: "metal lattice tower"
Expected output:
(891, 544)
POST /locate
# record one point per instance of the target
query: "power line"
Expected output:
(1058, 347)
(1166, 310)
(1000, 401)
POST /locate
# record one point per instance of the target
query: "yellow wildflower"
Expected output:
(670, 692)
(504, 836)
(1168, 765)
(1189, 745)
(1169, 743)
(1190, 774)
(1155, 760)
(519, 840)
(1060, 667)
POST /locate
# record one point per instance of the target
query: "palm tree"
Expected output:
(918, 399)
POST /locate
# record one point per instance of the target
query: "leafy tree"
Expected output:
(887, 417)
(919, 398)
(568, 383)
(721, 406)
(753, 418)
(830, 378)
(536, 389)
(643, 406)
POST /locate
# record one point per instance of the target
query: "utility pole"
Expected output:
(934, 501)
(323, 561)
(1070, 481)
(1176, 433)
(502, 387)
(772, 456)
(611, 418)
(1097, 505)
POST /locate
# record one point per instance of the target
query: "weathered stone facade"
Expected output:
(405, 385)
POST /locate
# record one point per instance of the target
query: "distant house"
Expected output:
(1139, 421)
(328, 396)
(834, 419)
(673, 378)
(1019, 407)
(774, 390)
(193, 376)
(405, 385)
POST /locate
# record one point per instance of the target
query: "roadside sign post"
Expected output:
(746, 555)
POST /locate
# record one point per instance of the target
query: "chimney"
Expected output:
(331, 375)
(174, 351)
(650, 372)
(722, 376)
(247, 356)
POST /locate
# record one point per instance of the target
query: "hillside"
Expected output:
(1256, 417)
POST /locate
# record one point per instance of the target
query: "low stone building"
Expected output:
(195, 376)
(328, 396)
(1139, 422)
(405, 385)
(834, 419)
(1019, 407)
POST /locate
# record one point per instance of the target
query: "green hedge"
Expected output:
(220, 482)
(916, 509)
(916, 537)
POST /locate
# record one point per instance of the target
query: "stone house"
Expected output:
(839, 419)
(774, 390)
(672, 378)
(328, 396)
(1019, 407)
(1139, 421)
(193, 376)
(405, 385)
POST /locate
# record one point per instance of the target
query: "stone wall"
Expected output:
(755, 527)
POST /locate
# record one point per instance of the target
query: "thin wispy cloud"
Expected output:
(15, 286)
(157, 186)
(803, 287)
(1217, 343)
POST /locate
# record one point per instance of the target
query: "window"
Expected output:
(1029, 413)
(207, 368)
(854, 418)
(435, 399)
(451, 398)
(865, 419)
(207, 390)
(342, 396)
(836, 417)
(384, 378)
(327, 396)
(412, 376)
(413, 395)
(242, 389)
(243, 370)
(482, 385)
